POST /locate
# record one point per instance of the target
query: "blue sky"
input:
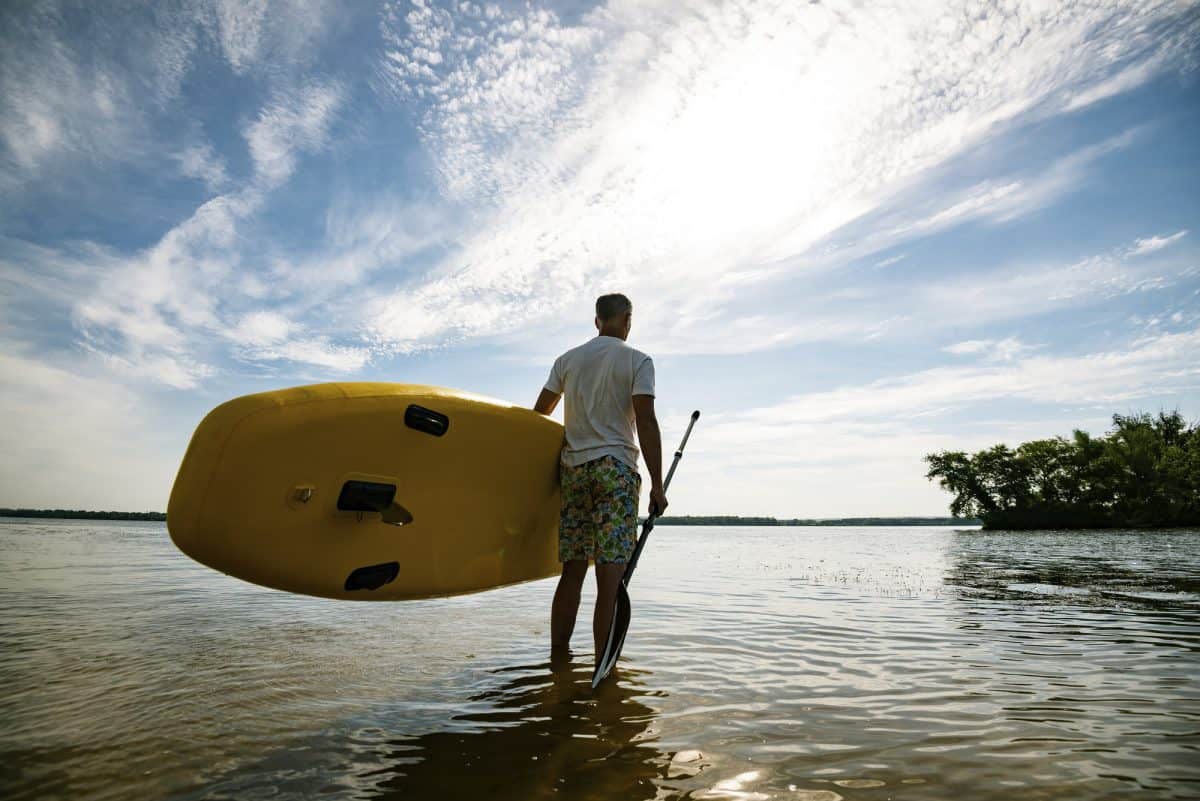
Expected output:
(853, 235)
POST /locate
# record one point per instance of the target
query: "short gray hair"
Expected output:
(614, 305)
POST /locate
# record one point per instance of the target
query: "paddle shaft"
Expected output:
(648, 526)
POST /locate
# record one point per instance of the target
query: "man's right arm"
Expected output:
(546, 402)
(650, 440)
(552, 391)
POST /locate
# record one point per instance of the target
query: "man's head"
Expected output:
(614, 315)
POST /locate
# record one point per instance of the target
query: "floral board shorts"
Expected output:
(599, 511)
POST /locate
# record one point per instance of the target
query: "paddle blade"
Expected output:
(616, 636)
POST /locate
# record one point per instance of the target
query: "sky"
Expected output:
(853, 233)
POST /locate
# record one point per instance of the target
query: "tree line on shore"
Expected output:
(735, 520)
(82, 514)
(1144, 473)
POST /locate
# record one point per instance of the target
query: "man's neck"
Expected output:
(612, 334)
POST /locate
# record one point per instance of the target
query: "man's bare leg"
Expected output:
(608, 578)
(566, 603)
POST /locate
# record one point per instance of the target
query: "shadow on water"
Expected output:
(543, 733)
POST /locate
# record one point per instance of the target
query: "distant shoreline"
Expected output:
(695, 520)
(734, 520)
(82, 514)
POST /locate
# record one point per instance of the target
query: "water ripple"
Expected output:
(811, 663)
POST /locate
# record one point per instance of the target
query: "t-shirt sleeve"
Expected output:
(555, 382)
(643, 377)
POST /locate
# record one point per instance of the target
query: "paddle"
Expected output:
(622, 611)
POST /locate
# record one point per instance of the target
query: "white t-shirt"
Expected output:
(598, 380)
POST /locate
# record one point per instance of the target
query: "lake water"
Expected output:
(796, 663)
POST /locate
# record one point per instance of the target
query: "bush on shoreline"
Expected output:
(1144, 473)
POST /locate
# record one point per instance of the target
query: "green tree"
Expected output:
(1144, 472)
(956, 473)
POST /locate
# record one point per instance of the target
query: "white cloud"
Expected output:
(985, 199)
(202, 163)
(264, 336)
(73, 441)
(321, 353)
(1010, 293)
(659, 147)
(362, 235)
(150, 314)
(239, 26)
(171, 312)
(857, 450)
(1154, 365)
(675, 153)
(171, 369)
(494, 79)
(83, 89)
(295, 122)
(1129, 78)
(857, 310)
(261, 328)
(928, 211)
(993, 349)
(970, 346)
(788, 310)
(54, 101)
(1153, 243)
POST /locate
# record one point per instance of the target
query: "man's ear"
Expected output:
(597, 321)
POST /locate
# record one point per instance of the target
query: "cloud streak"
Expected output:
(150, 314)
(87, 89)
(1153, 243)
(294, 123)
(858, 449)
(1156, 365)
(77, 441)
(687, 143)
(647, 146)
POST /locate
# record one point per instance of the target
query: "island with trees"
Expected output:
(1144, 473)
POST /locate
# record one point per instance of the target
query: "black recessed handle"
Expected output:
(365, 496)
(372, 577)
(426, 420)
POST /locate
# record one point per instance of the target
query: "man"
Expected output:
(609, 388)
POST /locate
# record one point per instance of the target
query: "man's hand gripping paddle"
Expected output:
(620, 618)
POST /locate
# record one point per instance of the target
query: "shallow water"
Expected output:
(798, 663)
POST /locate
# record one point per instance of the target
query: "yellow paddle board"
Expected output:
(371, 491)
